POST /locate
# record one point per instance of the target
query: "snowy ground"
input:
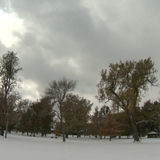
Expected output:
(18, 147)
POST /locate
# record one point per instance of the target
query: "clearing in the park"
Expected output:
(18, 147)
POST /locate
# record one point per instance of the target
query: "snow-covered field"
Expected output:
(18, 147)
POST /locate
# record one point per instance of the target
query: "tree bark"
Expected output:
(134, 127)
(6, 127)
(63, 133)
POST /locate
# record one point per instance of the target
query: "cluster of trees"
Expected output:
(104, 123)
(35, 117)
(117, 123)
(124, 85)
(76, 115)
(151, 115)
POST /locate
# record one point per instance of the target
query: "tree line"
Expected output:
(62, 111)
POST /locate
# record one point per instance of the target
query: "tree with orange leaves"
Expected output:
(110, 127)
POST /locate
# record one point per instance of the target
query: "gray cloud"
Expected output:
(72, 39)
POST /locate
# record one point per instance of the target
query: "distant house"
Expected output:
(153, 134)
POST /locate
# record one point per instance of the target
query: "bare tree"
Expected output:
(57, 92)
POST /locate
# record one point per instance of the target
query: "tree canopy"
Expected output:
(76, 114)
(125, 84)
(9, 67)
(57, 92)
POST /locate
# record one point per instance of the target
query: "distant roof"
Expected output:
(152, 132)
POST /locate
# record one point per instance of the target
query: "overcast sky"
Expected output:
(78, 38)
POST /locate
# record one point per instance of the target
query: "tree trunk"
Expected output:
(78, 135)
(63, 133)
(64, 137)
(2, 131)
(6, 128)
(2, 124)
(61, 120)
(134, 127)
